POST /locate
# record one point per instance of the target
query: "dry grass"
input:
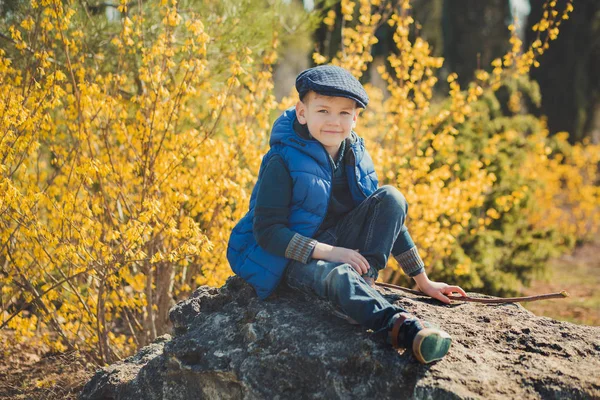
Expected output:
(579, 275)
(31, 375)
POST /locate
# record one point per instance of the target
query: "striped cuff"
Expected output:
(300, 248)
(411, 262)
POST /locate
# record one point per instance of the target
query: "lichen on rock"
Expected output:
(228, 344)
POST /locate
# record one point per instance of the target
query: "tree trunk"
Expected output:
(165, 276)
(568, 73)
(475, 33)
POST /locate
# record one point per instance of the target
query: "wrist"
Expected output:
(321, 250)
(422, 280)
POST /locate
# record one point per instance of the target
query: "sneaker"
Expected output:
(428, 342)
(431, 344)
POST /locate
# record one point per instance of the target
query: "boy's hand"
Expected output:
(437, 290)
(340, 254)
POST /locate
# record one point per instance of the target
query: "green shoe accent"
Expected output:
(431, 344)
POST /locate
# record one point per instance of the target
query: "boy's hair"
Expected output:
(306, 96)
(331, 80)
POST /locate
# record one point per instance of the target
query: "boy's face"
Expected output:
(329, 119)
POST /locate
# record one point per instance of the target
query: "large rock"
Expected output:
(227, 344)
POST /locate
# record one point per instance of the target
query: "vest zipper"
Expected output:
(330, 190)
(354, 173)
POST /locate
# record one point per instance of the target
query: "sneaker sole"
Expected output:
(430, 345)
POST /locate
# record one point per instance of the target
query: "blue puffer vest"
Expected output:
(311, 172)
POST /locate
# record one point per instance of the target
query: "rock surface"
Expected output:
(227, 344)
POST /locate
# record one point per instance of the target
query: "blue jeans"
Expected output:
(376, 228)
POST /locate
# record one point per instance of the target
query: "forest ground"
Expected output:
(577, 273)
(31, 373)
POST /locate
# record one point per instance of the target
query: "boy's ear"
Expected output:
(301, 112)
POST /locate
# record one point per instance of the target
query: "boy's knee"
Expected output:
(394, 197)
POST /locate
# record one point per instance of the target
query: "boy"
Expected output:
(319, 222)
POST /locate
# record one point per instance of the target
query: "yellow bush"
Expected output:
(120, 180)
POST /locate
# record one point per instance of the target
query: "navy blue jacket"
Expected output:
(308, 164)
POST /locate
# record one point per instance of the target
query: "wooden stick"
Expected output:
(499, 300)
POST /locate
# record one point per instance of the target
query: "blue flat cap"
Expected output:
(330, 80)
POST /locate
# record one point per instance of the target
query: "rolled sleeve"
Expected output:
(300, 248)
(411, 262)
